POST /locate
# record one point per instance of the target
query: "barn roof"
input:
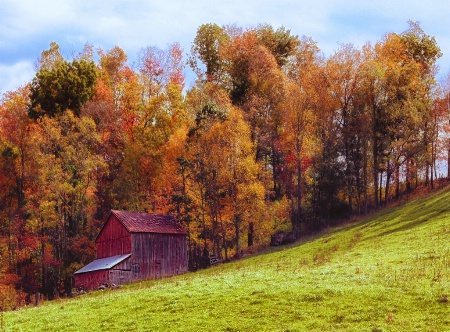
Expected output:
(136, 222)
(103, 263)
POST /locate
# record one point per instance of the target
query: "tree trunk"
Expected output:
(349, 176)
(380, 200)
(375, 178)
(432, 166)
(365, 175)
(397, 180)
(299, 199)
(375, 164)
(448, 160)
(408, 176)
(237, 224)
(388, 180)
(251, 234)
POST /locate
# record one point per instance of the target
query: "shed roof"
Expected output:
(103, 263)
(136, 222)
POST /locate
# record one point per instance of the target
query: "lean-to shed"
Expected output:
(134, 246)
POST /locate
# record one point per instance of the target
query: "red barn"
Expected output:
(134, 246)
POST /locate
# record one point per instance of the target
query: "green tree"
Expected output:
(280, 42)
(64, 86)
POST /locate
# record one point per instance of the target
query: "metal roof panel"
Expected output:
(103, 263)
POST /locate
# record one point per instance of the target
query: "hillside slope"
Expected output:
(389, 272)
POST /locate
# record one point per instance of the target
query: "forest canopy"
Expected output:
(273, 138)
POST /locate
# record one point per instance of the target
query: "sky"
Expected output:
(27, 27)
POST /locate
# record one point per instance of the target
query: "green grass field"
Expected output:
(388, 272)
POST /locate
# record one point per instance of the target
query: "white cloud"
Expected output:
(29, 26)
(16, 75)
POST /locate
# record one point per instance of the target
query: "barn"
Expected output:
(133, 246)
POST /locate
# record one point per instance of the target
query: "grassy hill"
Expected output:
(388, 272)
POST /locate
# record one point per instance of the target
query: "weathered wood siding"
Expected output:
(91, 280)
(114, 239)
(120, 277)
(156, 256)
(119, 274)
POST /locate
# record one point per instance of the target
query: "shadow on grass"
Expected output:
(413, 214)
(390, 220)
(405, 217)
(381, 223)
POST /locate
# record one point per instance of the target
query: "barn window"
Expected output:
(136, 268)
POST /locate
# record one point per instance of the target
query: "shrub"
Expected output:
(10, 298)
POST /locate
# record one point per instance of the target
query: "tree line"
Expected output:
(273, 138)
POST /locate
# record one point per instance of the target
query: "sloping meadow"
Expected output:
(388, 272)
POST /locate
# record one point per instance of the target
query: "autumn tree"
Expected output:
(205, 51)
(50, 58)
(159, 68)
(111, 66)
(397, 85)
(273, 137)
(423, 51)
(111, 131)
(443, 104)
(206, 191)
(151, 109)
(16, 175)
(258, 89)
(241, 194)
(298, 125)
(222, 173)
(64, 197)
(381, 78)
(343, 74)
(15, 127)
